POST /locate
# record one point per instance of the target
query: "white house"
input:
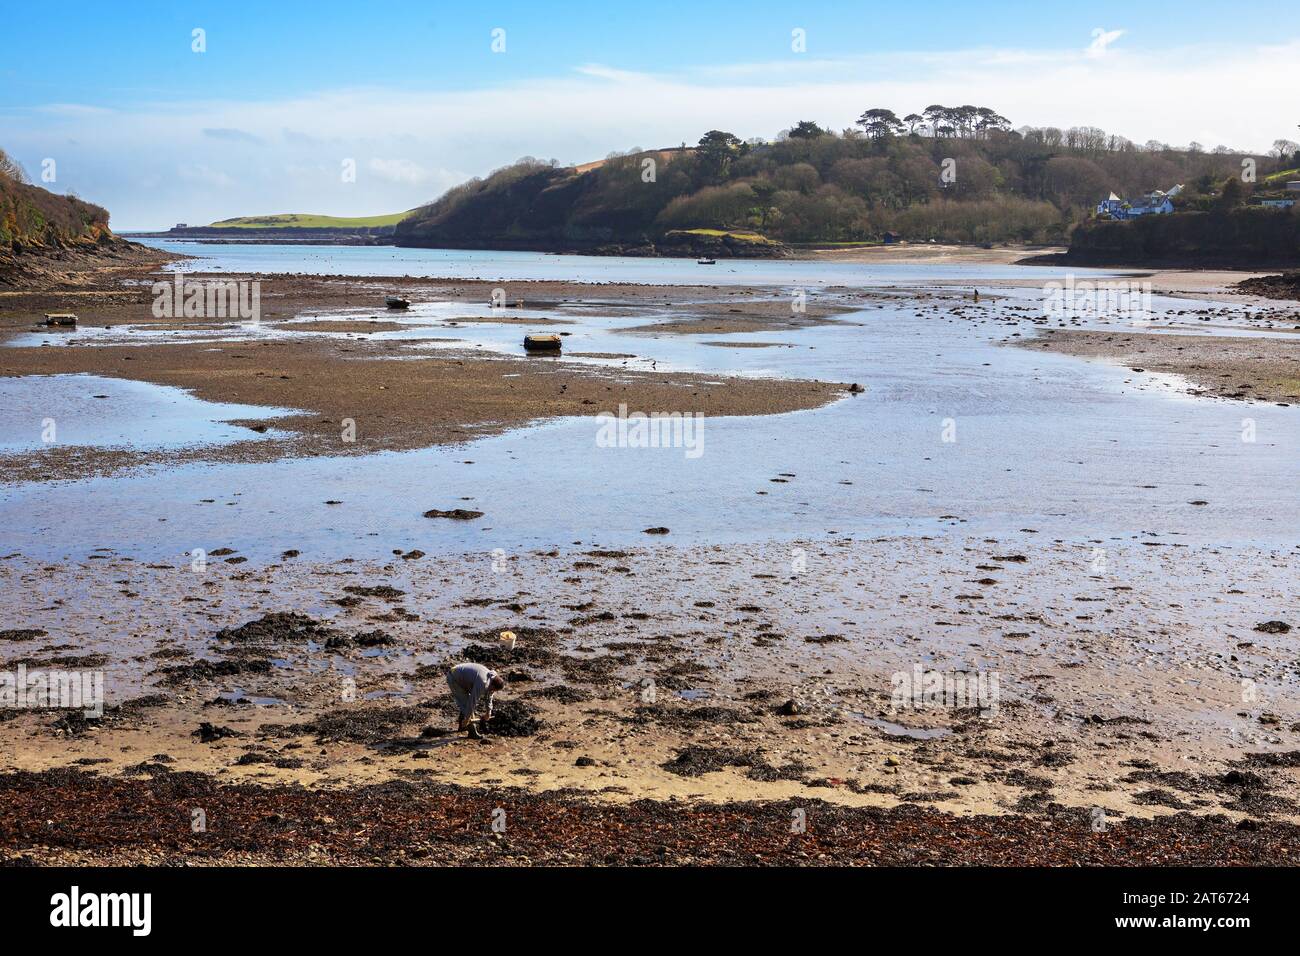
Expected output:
(1155, 202)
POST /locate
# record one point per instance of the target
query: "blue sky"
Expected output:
(413, 95)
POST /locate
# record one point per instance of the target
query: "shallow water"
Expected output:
(956, 433)
(43, 411)
(252, 257)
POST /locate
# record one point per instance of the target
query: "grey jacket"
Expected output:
(472, 681)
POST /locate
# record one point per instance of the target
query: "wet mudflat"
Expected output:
(707, 675)
(275, 632)
(933, 439)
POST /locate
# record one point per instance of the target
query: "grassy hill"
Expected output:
(295, 220)
(953, 174)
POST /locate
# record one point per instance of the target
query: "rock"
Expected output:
(1273, 627)
(456, 514)
(585, 762)
(790, 708)
(655, 531)
(892, 761)
(207, 733)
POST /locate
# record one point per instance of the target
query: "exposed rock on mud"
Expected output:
(211, 670)
(278, 627)
(513, 718)
(363, 725)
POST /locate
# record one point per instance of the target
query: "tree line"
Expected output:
(945, 173)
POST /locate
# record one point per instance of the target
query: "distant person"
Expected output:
(472, 685)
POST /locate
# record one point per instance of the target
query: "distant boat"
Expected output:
(704, 261)
(397, 302)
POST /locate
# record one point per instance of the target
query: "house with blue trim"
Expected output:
(1156, 202)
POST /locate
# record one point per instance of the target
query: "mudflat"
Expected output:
(396, 399)
(1255, 367)
(1128, 711)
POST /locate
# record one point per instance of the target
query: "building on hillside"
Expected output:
(1277, 203)
(1156, 202)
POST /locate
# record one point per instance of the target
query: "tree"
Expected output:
(937, 117)
(987, 119)
(1283, 148)
(913, 120)
(1232, 194)
(806, 129)
(717, 150)
(10, 169)
(964, 119)
(880, 123)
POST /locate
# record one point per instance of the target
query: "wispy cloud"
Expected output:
(232, 136)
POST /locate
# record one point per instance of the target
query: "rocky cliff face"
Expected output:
(44, 235)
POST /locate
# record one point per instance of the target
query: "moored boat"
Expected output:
(541, 343)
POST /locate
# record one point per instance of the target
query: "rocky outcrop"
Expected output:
(45, 237)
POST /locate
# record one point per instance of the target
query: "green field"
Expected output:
(297, 220)
(1287, 174)
(740, 236)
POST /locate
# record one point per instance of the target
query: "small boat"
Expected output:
(705, 261)
(541, 343)
(60, 318)
(397, 302)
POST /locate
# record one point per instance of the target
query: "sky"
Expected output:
(352, 109)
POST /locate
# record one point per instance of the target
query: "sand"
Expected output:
(1251, 369)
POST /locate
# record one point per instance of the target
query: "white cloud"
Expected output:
(424, 141)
